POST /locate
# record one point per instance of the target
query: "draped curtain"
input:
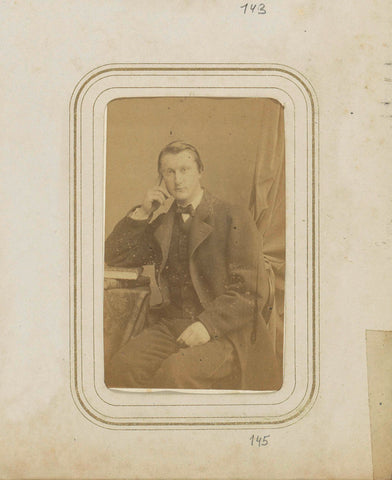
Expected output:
(267, 205)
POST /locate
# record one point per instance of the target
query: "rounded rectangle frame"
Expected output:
(191, 409)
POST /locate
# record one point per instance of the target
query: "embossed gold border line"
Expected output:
(104, 77)
(220, 418)
(199, 97)
(315, 230)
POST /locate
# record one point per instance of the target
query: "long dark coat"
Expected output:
(228, 273)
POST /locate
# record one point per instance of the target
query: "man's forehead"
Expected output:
(172, 159)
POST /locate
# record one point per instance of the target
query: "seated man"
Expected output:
(210, 270)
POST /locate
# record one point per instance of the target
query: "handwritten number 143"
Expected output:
(254, 8)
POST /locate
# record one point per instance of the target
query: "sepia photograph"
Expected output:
(194, 243)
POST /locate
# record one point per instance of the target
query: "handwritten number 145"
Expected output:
(261, 441)
(254, 8)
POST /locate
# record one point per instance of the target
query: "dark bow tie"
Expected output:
(189, 210)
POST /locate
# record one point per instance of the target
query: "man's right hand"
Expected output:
(154, 198)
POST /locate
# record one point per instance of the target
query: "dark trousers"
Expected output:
(153, 359)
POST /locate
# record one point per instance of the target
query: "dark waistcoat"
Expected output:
(183, 297)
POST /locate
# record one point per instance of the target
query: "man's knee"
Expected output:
(173, 372)
(195, 367)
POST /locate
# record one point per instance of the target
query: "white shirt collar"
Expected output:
(195, 204)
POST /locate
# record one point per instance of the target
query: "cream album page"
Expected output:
(196, 239)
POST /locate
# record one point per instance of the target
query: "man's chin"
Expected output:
(181, 196)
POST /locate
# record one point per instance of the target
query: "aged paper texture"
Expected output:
(63, 63)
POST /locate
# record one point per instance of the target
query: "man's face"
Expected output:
(181, 176)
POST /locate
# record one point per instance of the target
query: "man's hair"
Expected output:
(178, 147)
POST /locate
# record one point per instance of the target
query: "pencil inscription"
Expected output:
(259, 440)
(255, 8)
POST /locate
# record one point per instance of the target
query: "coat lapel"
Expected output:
(200, 228)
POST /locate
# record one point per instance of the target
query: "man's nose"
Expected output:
(178, 177)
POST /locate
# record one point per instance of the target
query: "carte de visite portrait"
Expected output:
(206, 208)
(194, 261)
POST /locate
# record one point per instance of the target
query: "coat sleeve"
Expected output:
(247, 288)
(132, 244)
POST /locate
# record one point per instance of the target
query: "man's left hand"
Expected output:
(195, 334)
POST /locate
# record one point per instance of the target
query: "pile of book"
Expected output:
(121, 277)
